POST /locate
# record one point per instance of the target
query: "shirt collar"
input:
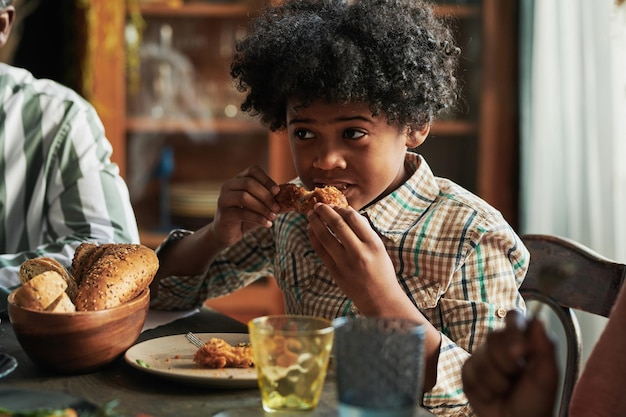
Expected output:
(392, 215)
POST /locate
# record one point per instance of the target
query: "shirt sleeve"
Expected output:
(79, 195)
(178, 292)
(93, 196)
(234, 268)
(482, 290)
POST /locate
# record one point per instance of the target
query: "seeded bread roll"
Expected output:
(118, 275)
(33, 267)
(85, 256)
(41, 290)
(81, 256)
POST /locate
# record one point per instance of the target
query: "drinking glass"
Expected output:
(291, 356)
(379, 366)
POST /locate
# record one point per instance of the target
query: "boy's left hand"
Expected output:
(354, 255)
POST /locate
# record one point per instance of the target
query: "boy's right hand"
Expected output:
(514, 373)
(246, 202)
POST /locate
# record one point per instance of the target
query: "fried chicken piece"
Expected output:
(217, 353)
(293, 197)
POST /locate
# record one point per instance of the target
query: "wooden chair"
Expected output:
(586, 281)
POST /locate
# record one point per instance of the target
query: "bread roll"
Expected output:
(80, 260)
(62, 304)
(85, 256)
(120, 273)
(41, 290)
(33, 267)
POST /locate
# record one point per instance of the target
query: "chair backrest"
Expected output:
(588, 282)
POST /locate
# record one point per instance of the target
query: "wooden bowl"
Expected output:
(78, 342)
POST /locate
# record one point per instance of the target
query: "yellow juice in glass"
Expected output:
(291, 357)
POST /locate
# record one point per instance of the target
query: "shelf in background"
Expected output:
(237, 126)
(195, 9)
(151, 239)
(188, 125)
(454, 128)
(458, 11)
(242, 9)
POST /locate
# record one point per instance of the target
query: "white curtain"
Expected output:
(573, 126)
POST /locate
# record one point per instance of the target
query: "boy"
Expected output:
(356, 85)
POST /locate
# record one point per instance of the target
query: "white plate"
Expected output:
(172, 357)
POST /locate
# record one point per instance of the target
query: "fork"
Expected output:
(193, 339)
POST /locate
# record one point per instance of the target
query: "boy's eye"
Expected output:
(303, 134)
(353, 134)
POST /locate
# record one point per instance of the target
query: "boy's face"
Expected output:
(345, 146)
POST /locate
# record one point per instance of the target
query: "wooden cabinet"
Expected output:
(184, 131)
(172, 116)
(478, 146)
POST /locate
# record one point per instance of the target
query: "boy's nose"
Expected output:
(329, 158)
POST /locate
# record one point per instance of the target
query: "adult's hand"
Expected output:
(515, 373)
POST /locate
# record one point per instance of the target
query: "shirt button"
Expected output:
(501, 312)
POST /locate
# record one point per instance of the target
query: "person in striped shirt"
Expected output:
(356, 85)
(59, 187)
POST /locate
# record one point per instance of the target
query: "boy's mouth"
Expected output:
(340, 186)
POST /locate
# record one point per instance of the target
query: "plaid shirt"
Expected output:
(456, 257)
(59, 187)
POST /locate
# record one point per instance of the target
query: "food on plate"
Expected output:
(118, 275)
(143, 363)
(33, 267)
(294, 197)
(217, 353)
(41, 290)
(103, 277)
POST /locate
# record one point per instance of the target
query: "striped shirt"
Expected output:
(456, 257)
(59, 187)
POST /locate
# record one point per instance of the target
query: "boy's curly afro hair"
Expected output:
(393, 54)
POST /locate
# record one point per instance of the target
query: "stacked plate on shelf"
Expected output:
(193, 203)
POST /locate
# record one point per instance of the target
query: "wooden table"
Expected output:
(139, 392)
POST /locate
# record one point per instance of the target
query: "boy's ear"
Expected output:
(415, 138)
(7, 17)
